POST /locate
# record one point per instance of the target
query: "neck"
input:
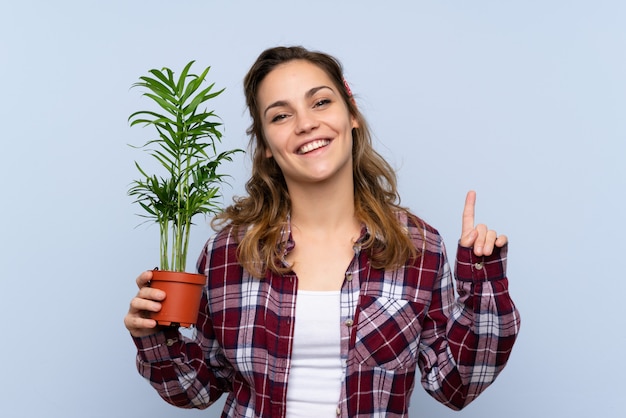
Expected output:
(323, 206)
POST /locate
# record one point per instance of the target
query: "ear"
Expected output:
(354, 122)
(268, 152)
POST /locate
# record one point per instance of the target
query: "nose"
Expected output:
(305, 122)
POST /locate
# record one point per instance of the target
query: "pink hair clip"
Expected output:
(347, 87)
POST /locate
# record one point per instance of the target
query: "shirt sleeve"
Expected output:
(466, 341)
(186, 372)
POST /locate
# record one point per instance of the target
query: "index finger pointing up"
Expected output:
(468, 213)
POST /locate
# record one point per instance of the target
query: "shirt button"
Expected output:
(170, 341)
(478, 266)
(349, 322)
(349, 277)
(338, 411)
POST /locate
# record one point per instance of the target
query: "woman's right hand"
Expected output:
(147, 300)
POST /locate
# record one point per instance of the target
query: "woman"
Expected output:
(323, 294)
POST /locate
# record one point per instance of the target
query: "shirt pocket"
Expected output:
(388, 332)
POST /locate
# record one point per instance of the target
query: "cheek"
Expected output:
(265, 144)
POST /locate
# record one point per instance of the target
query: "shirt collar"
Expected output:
(287, 244)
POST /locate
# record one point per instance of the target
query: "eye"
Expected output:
(279, 117)
(322, 102)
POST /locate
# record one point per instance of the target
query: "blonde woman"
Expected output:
(324, 296)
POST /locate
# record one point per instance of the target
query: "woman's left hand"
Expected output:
(482, 239)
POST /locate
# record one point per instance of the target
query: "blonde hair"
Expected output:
(263, 213)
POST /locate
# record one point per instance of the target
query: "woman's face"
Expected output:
(306, 124)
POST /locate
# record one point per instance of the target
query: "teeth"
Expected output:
(319, 143)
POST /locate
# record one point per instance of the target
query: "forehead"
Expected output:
(292, 79)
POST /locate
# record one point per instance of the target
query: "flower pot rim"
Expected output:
(178, 276)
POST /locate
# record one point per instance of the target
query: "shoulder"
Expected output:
(424, 236)
(221, 247)
(227, 237)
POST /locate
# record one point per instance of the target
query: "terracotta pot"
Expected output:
(183, 293)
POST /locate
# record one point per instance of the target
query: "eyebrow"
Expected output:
(308, 95)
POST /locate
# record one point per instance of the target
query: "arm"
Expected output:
(186, 373)
(466, 342)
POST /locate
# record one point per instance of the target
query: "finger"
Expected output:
(490, 241)
(468, 213)
(144, 278)
(139, 326)
(150, 293)
(501, 241)
(479, 243)
(138, 304)
(137, 320)
(469, 239)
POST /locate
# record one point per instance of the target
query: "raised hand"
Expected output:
(482, 239)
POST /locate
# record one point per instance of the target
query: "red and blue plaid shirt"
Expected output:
(393, 322)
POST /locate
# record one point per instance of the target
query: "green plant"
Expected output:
(185, 146)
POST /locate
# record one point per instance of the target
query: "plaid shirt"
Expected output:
(393, 321)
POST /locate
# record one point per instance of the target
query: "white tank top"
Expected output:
(316, 373)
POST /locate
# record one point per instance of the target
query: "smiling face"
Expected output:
(306, 124)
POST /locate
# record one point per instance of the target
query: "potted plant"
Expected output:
(184, 147)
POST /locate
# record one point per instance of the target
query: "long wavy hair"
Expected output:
(259, 218)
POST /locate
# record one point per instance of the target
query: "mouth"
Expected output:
(312, 146)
